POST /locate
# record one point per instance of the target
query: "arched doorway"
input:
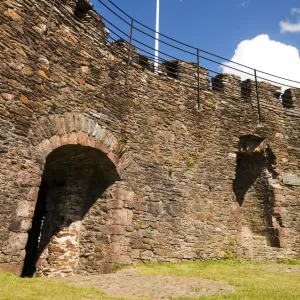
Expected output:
(74, 178)
(252, 189)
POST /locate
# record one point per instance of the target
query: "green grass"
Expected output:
(251, 281)
(13, 287)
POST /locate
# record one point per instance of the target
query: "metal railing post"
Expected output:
(129, 52)
(49, 17)
(198, 70)
(257, 96)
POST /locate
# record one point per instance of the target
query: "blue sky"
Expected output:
(219, 26)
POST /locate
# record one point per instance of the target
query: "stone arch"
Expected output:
(74, 129)
(47, 136)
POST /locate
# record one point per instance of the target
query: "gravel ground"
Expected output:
(130, 283)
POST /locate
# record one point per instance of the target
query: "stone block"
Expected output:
(119, 259)
(73, 138)
(124, 195)
(69, 124)
(27, 178)
(114, 158)
(54, 124)
(77, 121)
(114, 248)
(61, 126)
(121, 217)
(114, 229)
(91, 126)
(84, 124)
(17, 241)
(25, 209)
(114, 144)
(55, 142)
(12, 15)
(82, 138)
(279, 198)
(103, 135)
(45, 148)
(97, 131)
(100, 146)
(26, 225)
(114, 204)
(91, 142)
(15, 226)
(109, 139)
(14, 268)
(64, 140)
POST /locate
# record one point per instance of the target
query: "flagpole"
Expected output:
(156, 38)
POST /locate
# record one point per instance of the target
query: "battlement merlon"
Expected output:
(81, 11)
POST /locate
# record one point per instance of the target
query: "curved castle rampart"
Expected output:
(134, 173)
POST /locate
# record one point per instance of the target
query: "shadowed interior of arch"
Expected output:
(73, 179)
(253, 192)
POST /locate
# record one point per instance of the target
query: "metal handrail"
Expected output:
(184, 44)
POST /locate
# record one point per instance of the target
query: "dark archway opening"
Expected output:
(252, 189)
(248, 170)
(74, 178)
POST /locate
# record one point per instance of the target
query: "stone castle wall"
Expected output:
(186, 183)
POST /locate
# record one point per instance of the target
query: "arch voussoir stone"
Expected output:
(74, 129)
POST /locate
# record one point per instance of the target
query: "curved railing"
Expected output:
(122, 26)
(134, 42)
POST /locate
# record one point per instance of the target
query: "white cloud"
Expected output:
(295, 11)
(286, 26)
(244, 3)
(267, 55)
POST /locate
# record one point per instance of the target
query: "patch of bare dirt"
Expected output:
(130, 283)
(283, 268)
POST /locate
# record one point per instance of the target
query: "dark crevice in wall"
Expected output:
(271, 162)
(82, 8)
(172, 69)
(217, 83)
(287, 99)
(246, 90)
(146, 63)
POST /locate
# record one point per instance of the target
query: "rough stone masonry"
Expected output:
(94, 173)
